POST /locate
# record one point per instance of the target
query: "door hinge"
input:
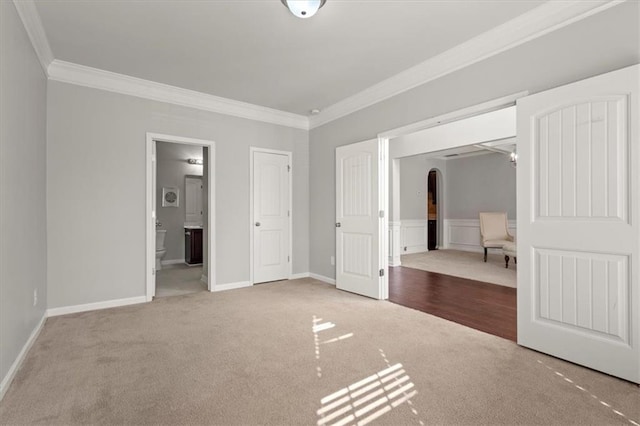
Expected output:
(381, 214)
(153, 271)
(288, 213)
(288, 258)
(382, 272)
(288, 168)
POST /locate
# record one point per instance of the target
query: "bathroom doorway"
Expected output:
(180, 220)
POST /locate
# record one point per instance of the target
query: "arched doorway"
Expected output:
(432, 210)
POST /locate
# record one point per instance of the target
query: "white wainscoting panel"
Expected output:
(413, 236)
(395, 243)
(583, 291)
(464, 234)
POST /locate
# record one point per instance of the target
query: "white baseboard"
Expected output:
(299, 275)
(394, 262)
(231, 286)
(171, 262)
(64, 310)
(323, 278)
(8, 378)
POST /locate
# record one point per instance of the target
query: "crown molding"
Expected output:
(542, 20)
(67, 72)
(33, 25)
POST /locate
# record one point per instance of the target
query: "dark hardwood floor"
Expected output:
(486, 307)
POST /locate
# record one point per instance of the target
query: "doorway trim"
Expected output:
(289, 155)
(385, 140)
(152, 138)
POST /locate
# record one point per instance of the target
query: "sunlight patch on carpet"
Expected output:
(367, 399)
(584, 390)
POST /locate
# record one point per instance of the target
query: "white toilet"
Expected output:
(160, 250)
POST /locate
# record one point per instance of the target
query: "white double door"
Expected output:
(578, 183)
(271, 216)
(579, 222)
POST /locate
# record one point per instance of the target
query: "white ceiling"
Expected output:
(256, 51)
(502, 146)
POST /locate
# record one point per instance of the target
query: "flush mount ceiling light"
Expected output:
(303, 8)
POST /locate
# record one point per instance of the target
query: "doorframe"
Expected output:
(385, 139)
(289, 155)
(150, 220)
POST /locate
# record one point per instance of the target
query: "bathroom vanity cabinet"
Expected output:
(193, 245)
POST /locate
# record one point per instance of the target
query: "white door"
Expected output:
(271, 215)
(360, 236)
(154, 213)
(193, 200)
(579, 223)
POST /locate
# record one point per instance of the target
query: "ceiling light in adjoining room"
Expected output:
(196, 161)
(304, 8)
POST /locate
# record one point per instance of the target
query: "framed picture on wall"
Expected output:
(170, 196)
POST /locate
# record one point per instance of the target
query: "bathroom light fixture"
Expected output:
(196, 161)
(303, 8)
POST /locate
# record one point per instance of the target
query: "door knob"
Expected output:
(257, 223)
(338, 225)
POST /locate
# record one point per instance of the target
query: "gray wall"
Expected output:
(23, 236)
(480, 183)
(413, 185)
(604, 42)
(96, 189)
(172, 167)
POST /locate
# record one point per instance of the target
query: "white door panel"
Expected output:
(358, 230)
(271, 217)
(579, 223)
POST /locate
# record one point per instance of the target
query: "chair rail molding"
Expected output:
(464, 234)
(548, 17)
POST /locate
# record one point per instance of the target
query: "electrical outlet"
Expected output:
(333, 260)
(35, 297)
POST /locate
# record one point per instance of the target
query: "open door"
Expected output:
(154, 212)
(360, 236)
(579, 223)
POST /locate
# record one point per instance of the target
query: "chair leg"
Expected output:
(485, 254)
(506, 261)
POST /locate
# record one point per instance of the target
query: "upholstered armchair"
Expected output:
(494, 231)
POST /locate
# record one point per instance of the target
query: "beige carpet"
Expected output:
(294, 353)
(465, 265)
(176, 280)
